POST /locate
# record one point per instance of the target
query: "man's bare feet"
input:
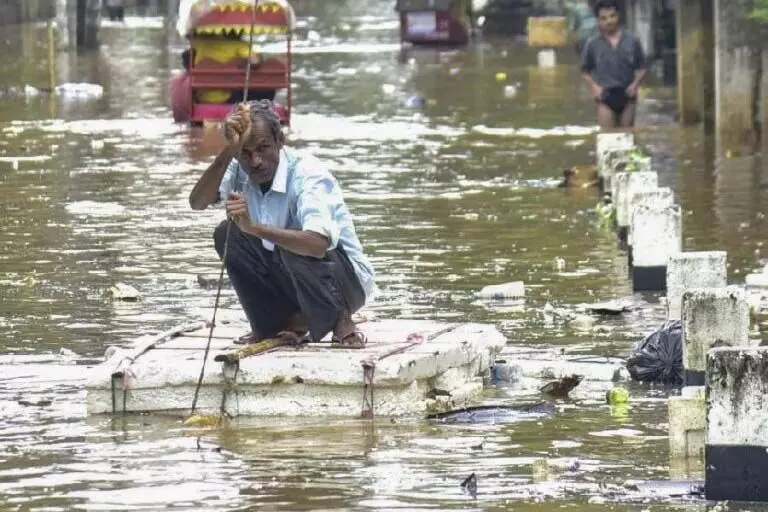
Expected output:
(247, 339)
(296, 332)
(345, 335)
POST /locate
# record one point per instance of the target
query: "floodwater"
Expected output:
(448, 196)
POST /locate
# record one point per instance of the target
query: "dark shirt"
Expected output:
(613, 67)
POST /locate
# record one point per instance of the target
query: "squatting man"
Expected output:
(292, 253)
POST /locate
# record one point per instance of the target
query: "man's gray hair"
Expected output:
(264, 110)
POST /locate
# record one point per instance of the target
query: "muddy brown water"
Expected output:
(448, 197)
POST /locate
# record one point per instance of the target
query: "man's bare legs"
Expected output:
(606, 118)
(609, 121)
(627, 118)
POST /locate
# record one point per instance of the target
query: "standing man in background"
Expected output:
(614, 66)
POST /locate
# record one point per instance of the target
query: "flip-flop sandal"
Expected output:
(354, 345)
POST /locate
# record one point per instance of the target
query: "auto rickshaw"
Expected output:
(216, 60)
(430, 22)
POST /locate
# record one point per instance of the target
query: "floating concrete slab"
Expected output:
(414, 362)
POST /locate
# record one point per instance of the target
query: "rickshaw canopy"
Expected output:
(217, 17)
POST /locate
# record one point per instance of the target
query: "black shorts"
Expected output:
(616, 99)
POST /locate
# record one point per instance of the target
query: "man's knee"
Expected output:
(220, 237)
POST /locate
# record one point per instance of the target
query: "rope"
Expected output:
(226, 238)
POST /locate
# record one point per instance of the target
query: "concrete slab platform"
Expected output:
(415, 361)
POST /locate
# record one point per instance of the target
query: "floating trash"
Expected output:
(513, 290)
(123, 291)
(415, 102)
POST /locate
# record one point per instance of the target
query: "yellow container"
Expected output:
(547, 32)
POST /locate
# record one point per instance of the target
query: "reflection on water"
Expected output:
(452, 182)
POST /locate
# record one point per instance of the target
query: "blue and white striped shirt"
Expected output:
(304, 196)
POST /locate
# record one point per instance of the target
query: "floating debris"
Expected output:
(616, 396)
(469, 485)
(583, 323)
(616, 306)
(513, 290)
(122, 291)
(211, 281)
(43, 402)
(203, 420)
(503, 373)
(561, 387)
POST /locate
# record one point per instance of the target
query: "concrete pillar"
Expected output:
(687, 270)
(687, 423)
(614, 161)
(606, 142)
(77, 23)
(711, 317)
(736, 454)
(657, 198)
(88, 32)
(738, 75)
(656, 235)
(626, 185)
(66, 22)
(643, 25)
(695, 59)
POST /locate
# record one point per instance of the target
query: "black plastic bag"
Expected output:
(659, 357)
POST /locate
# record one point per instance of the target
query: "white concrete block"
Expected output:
(607, 141)
(685, 270)
(712, 317)
(612, 162)
(627, 184)
(547, 58)
(656, 235)
(756, 281)
(687, 423)
(658, 198)
(736, 453)
(737, 396)
(411, 357)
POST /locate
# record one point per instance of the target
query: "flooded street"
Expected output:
(448, 197)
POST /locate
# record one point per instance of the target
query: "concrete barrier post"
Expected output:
(687, 423)
(686, 270)
(711, 317)
(736, 453)
(607, 142)
(657, 198)
(627, 184)
(656, 235)
(614, 161)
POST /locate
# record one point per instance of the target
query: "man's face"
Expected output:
(608, 20)
(261, 154)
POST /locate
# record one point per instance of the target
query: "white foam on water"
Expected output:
(537, 133)
(94, 208)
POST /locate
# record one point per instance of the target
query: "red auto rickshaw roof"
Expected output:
(272, 17)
